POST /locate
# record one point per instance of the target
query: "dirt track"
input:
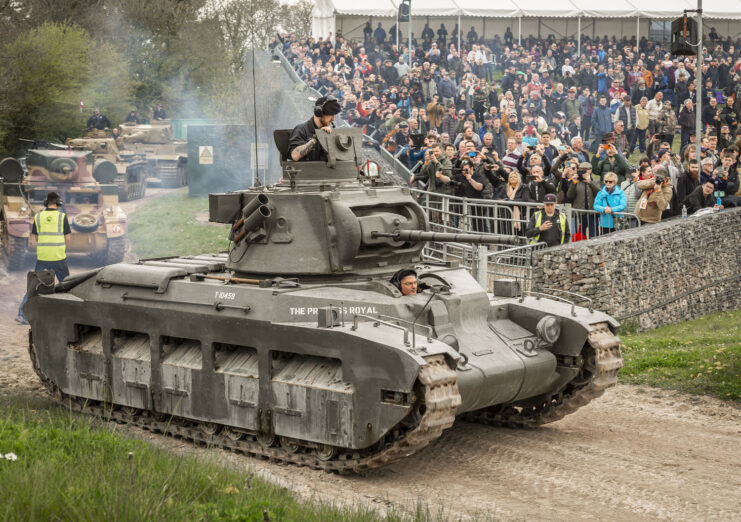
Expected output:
(635, 454)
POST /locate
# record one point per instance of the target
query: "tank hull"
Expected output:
(331, 375)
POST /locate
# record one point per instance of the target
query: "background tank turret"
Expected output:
(297, 345)
(90, 200)
(166, 157)
(131, 175)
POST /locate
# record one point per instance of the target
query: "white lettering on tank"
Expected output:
(350, 310)
(228, 296)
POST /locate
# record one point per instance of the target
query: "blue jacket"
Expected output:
(615, 200)
(601, 120)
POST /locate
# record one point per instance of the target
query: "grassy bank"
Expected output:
(702, 356)
(72, 467)
(175, 224)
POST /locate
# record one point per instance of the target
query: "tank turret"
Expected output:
(328, 218)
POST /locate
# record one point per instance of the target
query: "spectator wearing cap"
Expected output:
(601, 122)
(628, 115)
(549, 225)
(487, 126)
(666, 123)
(570, 106)
(609, 200)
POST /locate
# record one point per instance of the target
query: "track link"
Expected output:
(438, 387)
(602, 361)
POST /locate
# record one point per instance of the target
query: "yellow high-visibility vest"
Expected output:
(50, 227)
(539, 221)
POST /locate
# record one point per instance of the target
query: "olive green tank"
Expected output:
(297, 345)
(166, 157)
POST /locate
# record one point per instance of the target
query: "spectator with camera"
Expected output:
(656, 194)
(609, 200)
(612, 161)
(581, 194)
(548, 225)
(538, 186)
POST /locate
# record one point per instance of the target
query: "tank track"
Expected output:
(438, 386)
(603, 361)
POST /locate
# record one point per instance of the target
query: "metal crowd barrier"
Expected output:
(452, 213)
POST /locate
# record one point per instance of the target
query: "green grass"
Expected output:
(74, 467)
(702, 356)
(167, 226)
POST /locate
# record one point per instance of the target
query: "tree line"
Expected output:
(123, 55)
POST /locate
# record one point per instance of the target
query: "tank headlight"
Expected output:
(548, 329)
(109, 210)
(24, 209)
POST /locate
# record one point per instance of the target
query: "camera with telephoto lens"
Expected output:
(418, 140)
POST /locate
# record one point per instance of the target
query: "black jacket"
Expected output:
(697, 200)
(552, 236)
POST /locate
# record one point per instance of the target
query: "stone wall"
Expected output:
(640, 269)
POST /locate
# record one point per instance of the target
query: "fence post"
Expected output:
(481, 266)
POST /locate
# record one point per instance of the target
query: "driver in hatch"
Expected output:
(406, 281)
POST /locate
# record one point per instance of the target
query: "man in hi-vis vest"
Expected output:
(51, 233)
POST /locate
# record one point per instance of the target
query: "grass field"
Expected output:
(175, 224)
(65, 466)
(702, 356)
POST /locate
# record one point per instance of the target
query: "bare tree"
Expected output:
(297, 18)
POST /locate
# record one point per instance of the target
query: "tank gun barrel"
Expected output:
(447, 237)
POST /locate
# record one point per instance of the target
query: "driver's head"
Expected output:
(406, 281)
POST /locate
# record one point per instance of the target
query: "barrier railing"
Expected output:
(452, 213)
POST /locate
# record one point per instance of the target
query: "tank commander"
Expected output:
(98, 121)
(303, 145)
(131, 118)
(406, 281)
(159, 113)
(51, 233)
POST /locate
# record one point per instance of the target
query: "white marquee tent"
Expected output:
(538, 17)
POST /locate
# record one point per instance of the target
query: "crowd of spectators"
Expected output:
(516, 122)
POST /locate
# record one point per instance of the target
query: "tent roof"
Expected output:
(717, 9)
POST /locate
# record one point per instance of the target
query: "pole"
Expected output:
(698, 89)
(578, 38)
(519, 31)
(459, 36)
(638, 35)
(410, 33)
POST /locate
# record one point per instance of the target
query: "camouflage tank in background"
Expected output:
(131, 168)
(166, 157)
(90, 200)
(298, 346)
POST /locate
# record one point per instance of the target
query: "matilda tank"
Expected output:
(90, 200)
(131, 168)
(166, 157)
(296, 345)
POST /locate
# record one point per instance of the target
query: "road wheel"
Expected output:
(84, 222)
(16, 249)
(115, 250)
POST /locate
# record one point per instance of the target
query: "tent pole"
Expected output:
(519, 31)
(459, 37)
(410, 34)
(698, 89)
(638, 35)
(578, 37)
